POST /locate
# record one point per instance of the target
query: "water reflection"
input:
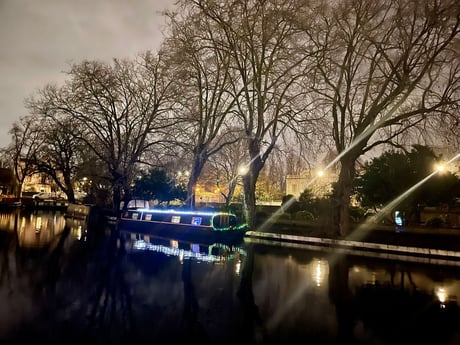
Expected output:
(213, 253)
(33, 229)
(360, 300)
(109, 286)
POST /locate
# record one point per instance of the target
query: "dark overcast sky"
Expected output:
(39, 38)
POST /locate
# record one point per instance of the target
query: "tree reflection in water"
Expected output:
(195, 330)
(341, 296)
(110, 303)
(101, 289)
(252, 326)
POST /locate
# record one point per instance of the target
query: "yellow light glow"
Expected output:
(320, 173)
(238, 267)
(441, 294)
(242, 170)
(440, 167)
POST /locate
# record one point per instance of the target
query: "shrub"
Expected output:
(261, 215)
(357, 213)
(304, 215)
(284, 216)
(435, 222)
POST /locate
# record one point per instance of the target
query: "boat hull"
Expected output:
(189, 226)
(183, 232)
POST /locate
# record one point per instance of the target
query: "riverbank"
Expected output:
(413, 240)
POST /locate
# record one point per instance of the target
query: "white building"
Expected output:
(319, 182)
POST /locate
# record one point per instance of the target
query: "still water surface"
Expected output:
(63, 284)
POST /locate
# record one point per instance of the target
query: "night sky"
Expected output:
(40, 38)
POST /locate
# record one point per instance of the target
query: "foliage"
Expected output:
(357, 213)
(304, 215)
(156, 185)
(435, 222)
(393, 173)
(306, 199)
(289, 204)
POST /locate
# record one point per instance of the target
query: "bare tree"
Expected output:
(203, 78)
(226, 165)
(267, 55)
(383, 69)
(121, 110)
(60, 154)
(27, 140)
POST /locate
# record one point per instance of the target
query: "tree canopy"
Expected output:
(390, 175)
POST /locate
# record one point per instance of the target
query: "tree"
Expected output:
(120, 109)
(383, 69)
(203, 78)
(226, 165)
(267, 58)
(60, 155)
(156, 185)
(393, 173)
(27, 140)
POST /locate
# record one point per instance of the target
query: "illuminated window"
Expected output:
(135, 215)
(175, 219)
(148, 217)
(196, 220)
(195, 248)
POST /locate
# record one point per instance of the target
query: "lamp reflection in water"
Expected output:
(442, 296)
(319, 271)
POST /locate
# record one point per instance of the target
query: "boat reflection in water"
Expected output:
(212, 253)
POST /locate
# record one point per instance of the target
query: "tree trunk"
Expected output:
(249, 186)
(198, 164)
(343, 193)
(18, 192)
(249, 199)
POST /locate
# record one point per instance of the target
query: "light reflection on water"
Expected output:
(118, 286)
(33, 229)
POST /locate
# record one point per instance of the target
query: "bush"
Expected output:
(357, 213)
(261, 215)
(435, 222)
(284, 216)
(304, 215)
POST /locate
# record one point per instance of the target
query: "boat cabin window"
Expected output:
(175, 219)
(196, 220)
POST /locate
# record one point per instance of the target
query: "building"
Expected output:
(318, 182)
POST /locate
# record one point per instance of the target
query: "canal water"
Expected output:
(61, 283)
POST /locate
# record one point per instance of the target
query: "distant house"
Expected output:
(32, 184)
(319, 184)
(38, 182)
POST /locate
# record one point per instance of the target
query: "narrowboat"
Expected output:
(185, 224)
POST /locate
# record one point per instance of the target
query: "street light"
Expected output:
(243, 170)
(440, 167)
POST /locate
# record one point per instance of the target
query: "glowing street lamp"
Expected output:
(243, 170)
(440, 167)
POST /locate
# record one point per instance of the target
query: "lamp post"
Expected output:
(242, 170)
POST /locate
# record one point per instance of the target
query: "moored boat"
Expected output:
(183, 223)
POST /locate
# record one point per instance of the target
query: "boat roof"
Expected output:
(183, 212)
